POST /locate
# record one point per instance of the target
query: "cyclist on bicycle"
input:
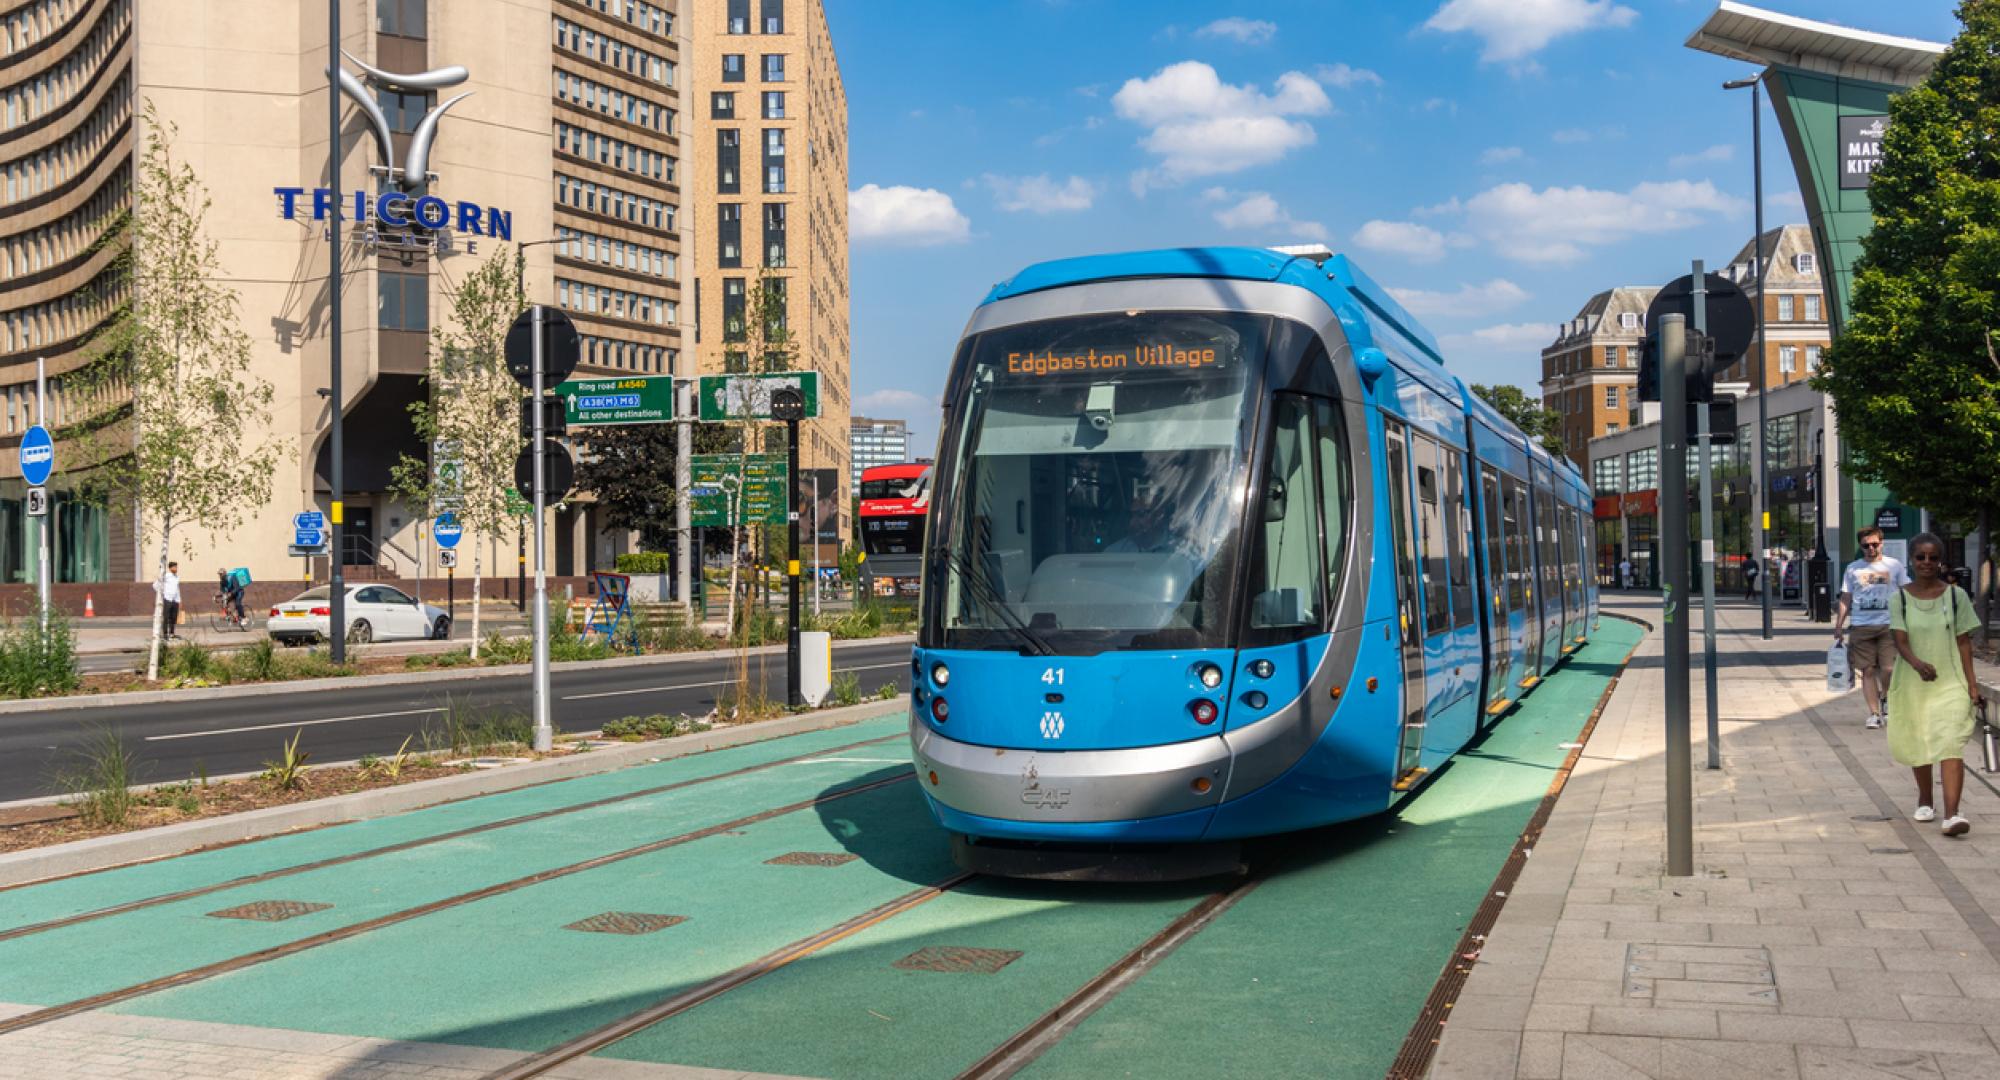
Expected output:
(231, 595)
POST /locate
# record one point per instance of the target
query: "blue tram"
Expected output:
(1218, 549)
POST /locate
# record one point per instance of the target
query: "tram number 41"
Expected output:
(1052, 676)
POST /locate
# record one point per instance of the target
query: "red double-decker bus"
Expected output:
(894, 500)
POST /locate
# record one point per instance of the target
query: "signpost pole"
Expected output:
(544, 734)
(792, 695)
(684, 483)
(336, 583)
(42, 558)
(1674, 531)
(1703, 440)
(815, 544)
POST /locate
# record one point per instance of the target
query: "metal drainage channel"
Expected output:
(1414, 1059)
(167, 982)
(338, 860)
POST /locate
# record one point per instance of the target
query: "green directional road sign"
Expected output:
(607, 402)
(748, 397)
(760, 489)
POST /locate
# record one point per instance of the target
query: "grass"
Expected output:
(846, 689)
(657, 726)
(469, 729)
(34, 661)
(101, 778)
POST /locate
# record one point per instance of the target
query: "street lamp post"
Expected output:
(1758, 500)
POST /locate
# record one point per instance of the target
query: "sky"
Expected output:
(1494, 162)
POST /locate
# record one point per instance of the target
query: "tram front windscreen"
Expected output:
(1096, 483)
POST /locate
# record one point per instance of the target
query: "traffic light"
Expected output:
(1649, 369)
(1699, 378)
(555, 422)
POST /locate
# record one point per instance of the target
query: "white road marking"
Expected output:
(291, 724)
(699, 685)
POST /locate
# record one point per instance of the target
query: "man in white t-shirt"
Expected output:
(1624, 573)
(1870, 583)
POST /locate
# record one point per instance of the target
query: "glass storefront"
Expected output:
(81, 548)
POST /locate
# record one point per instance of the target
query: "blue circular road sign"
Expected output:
(447, 530)
(38, 456)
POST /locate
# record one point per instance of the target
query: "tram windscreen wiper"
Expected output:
(986, 593)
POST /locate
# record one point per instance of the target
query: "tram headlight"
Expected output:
(1210, 675)
(939, 710)
(1204, 711)
(940, 674)
(1263, 669)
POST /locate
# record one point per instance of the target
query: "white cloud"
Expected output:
(1436, 103)
(1468, 301)
(905, 402)
(1202, 126)
(1040, 194)
(1260, 213)
(1247, 31)
(1718, 152)
(905, 215)
(1494, 155)
(1568, 136)
(1554, 225)
(1515, 30)
(1790, 200)
(1408, 239)
(1506, 337)
(1344, 77)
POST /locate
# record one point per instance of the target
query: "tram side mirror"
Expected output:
(1099, 407)
(1274, 500)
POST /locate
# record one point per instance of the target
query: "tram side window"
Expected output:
(1496, 537)
(1437, 602)
(1285, 572)
(1458, 534)
(1516, 518)
(1545, 527)
(1332, 491)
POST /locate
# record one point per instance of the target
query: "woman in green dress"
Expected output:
(1934, 690)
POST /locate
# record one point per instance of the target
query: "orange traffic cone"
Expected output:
(89, 607)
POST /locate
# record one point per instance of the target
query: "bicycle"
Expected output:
(225, 618)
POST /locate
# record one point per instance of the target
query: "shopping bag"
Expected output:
(1839, 677)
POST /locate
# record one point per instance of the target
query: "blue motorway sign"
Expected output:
(447, 530)
(38, 456)
(308, 538)
(312, 520)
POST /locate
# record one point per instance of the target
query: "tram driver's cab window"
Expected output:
(1285, 564)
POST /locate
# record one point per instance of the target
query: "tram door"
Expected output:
(1500, 636)
(1409, 606)
(1522, 540)
(1548, 554)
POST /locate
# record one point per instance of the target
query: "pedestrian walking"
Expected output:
(1624, 573)
(1749, 578)
(1934, 691)
(169, 587)
(1865, 591)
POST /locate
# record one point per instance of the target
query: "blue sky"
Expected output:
(1494, 161)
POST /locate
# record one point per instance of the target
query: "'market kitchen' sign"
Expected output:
(1860, 149)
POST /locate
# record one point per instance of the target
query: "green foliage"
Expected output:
(467, 728)
(317, 663)
(258, 662)
(846, 689)
(180, 797)
(638, 728)
(1915, 372)
(101, 777)
(887, 692)
(1542, 425)
(632, 469)
(644, 562)
(34, 662)
(189, 664)
(672, 633)
(288, 773)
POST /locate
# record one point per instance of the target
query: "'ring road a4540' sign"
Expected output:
(609, 402)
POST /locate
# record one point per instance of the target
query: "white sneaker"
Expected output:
(1874, 722)
(1956, 825)
(1925, 813)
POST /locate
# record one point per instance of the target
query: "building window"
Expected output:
(1812, 358)
(1642, 469)
(774, 67)
(739, 16)
(774, 309)
(1628, 320)
(405, 111)
(1610, 397)
(729, 234)
(774, 234)
(403, 18)
(774, 104)
(728, 161)
(733, 301)
(774, 16)
(1611, 356)
(722, 105)
(1784, 309)
(1788, 359)
(732, 67)
(1812, 309)
(402, 301)
(1803, 263)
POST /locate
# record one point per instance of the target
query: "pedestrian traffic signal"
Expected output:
(555, 422)
(1699, 375)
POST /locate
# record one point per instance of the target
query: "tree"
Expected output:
(1914, 375)
(1534, 421)
(631, 469)
(197, 451)
(473, 415)
(757, 340)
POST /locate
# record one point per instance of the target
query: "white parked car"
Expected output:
(374, 613)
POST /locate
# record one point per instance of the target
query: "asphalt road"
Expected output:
(196, 736)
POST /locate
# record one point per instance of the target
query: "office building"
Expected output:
(877, 442)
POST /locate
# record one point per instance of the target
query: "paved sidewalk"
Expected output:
(1823, 936)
